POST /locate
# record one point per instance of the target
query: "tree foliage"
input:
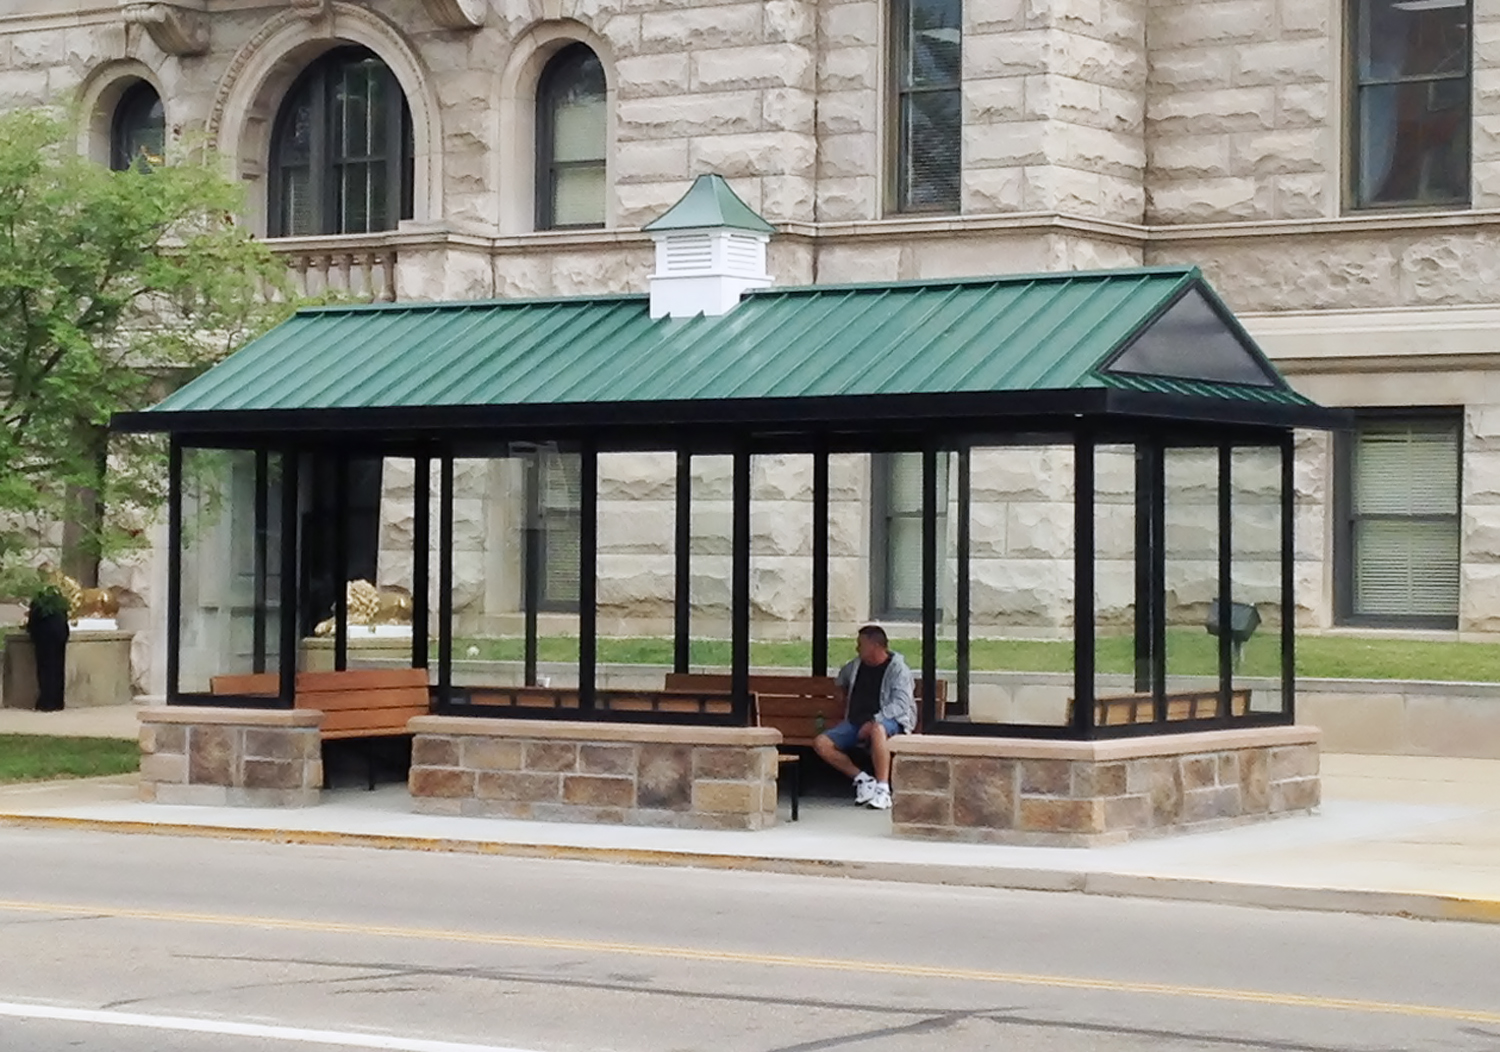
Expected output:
(115, 287)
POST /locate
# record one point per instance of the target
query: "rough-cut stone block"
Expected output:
(725, 764)
(1165, 792)
(263, 744)
(164, 767)
(1300, 794)
(490, 754)
(607, 759)
(441, 781)
(1199, 772)
(551, 756)
(912, 774)
(273, 774)
(1229, 768)
(1127, 813)
(1038, 814)
(520, 786)
(665, 777)
(1210, 804)
(157, 737)
(1099, 779)
(922, 809)
(1046, 777)
(734, 797)
(1296, 761)
(984, 793)
(211, 755)
(1255, 782)
(431, 751)
(598, 791)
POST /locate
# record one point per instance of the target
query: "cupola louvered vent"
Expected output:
(710, 250)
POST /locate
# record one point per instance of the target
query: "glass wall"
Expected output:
(1255, 540)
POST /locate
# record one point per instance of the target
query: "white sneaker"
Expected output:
(880, 799)
(864, 789)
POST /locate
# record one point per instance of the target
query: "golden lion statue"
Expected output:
(368, 605)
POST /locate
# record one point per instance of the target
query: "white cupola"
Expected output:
(710, 250)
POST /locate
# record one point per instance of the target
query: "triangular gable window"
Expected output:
(1192, 342)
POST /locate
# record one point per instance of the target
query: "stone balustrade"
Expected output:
(1084, 794)
(231, 757)
(632, 774)
(363, 269)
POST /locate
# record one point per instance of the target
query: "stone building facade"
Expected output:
(1342, 195)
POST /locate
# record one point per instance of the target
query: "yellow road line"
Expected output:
(687, 953)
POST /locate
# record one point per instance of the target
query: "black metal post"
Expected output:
(820, 498)
(929, 583)
(739, 589)
(291, 544)
(1145, 500)
(262, 528)
(421, 570)
(961, 596)
(1226, 579)
(682, 587)
(1288, 579)
(588, 575)
(1083, 583)
(341, 561)
(531, 584)
(174, 571)
(1159, 582)
(445, 579)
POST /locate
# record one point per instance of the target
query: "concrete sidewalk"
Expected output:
(1396, 835)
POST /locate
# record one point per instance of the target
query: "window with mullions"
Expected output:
(572, 124)
(1411, 71)
(138, 133)
(1397, 549)
(341, 151)
(554, 496)
(896, 525)
(927, 93)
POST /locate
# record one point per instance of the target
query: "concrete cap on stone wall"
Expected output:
(1106, 750)
(232, 716)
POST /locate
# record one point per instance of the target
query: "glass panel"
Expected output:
(931, 146)
(1406, 468)
(1116, 674)
(712, 567)
(1192, 342)
(218, 568)
(1255, 619)
(1192, 581)
(1021, 575)
(1414, 142)
(579, 196)
(636, 569)
(849, 601)
(140, 129)
(934, 42)
(1406, 568)
(781, 568)
(578, 128)
(1405, 38)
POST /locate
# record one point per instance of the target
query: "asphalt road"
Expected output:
(161, 944)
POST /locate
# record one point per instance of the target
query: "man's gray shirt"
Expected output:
(897, 691)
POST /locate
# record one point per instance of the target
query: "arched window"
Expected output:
(341, 150)
(138, 133)
(571, 122)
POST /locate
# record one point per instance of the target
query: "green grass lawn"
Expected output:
(39, 757)
(1189, 652)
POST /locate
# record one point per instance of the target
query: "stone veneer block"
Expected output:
(221, 757)
(575, 771)
(1082, 794)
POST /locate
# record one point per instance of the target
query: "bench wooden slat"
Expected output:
(256, 684)
(384, 721)
(361, 679)
(391, 698)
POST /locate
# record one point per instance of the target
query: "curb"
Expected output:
(1415, 905)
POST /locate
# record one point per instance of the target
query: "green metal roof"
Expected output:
(710, 202)
(1032, 333)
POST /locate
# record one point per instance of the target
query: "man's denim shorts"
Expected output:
(845, 735)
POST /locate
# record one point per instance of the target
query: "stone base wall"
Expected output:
(1083, 794)
(632, 774)
(96, 670)
(231, 757)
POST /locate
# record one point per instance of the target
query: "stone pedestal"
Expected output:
(97, 670)
(231, 757)
(1083, 794)
(318, 651)
(632, 774)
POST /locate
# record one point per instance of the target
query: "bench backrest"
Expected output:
(798, 706)
(1120, 709)
(356, 702)
(687, 700)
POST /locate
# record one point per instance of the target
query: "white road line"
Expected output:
(230, 1028)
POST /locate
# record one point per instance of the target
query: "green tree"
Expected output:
(115, 287)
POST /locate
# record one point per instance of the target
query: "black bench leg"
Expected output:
(370, 762)
(796, 787)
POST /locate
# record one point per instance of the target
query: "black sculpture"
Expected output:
(47, 625)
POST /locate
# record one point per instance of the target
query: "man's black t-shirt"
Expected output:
(864, 701)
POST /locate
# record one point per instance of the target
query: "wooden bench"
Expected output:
(688, 700)
(356, 703)
(1117, 710)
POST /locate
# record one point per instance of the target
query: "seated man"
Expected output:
(878, 704)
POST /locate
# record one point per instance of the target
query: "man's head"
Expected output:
(872, 645)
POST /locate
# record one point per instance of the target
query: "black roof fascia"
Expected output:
(1231, 411)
